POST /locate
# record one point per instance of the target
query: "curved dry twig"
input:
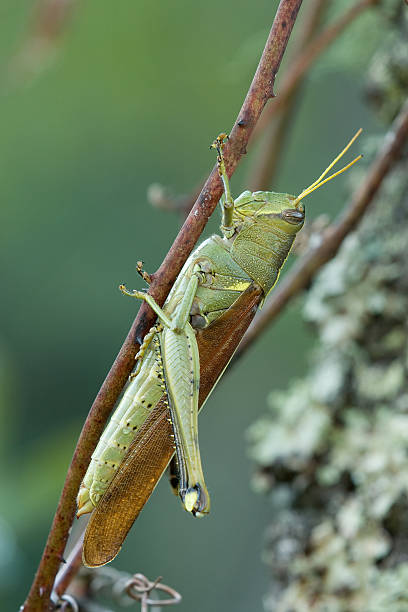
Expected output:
(260, 91)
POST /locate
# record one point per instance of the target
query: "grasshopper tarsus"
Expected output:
(218, 143)
(145, 275)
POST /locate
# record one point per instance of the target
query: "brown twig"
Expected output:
(306, 59)
(260, 91)
(69, 569)
(303, 272)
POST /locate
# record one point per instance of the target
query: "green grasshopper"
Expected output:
(258, 232)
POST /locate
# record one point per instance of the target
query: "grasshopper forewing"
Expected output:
(152, 449)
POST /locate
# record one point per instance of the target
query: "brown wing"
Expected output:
(152, 449)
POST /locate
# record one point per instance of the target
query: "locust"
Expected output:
(182, 357)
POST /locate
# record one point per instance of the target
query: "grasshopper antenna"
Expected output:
(319, 182)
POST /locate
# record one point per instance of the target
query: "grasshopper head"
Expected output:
(264, 226)
(280, 209)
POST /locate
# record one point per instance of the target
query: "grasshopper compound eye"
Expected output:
(294, 215)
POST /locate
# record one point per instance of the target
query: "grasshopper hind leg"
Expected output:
(181, 381)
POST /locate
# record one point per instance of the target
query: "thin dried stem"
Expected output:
(260, 91)
(303, 272)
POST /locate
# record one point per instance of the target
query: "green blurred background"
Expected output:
(134, 95)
